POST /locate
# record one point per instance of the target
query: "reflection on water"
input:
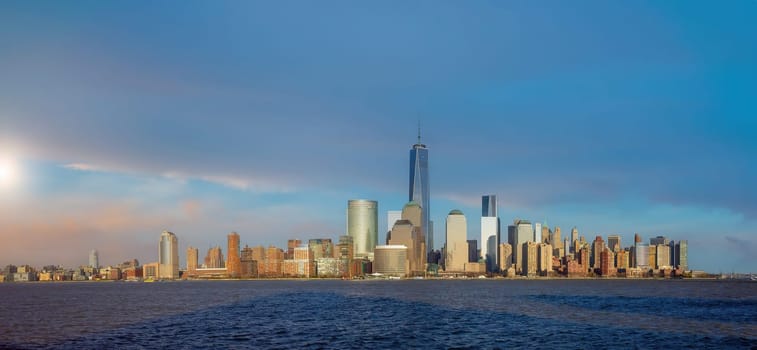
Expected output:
(380, 314)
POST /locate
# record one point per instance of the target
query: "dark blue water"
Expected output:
(380, 314)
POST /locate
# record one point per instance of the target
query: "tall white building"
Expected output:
(456, 255)
(537, 232)
(489, 230)
(94, 259)
(168, 256)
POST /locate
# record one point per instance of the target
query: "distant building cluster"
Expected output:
(526, 250)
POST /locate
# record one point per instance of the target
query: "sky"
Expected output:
(121, 119)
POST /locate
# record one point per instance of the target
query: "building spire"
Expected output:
(419, 131)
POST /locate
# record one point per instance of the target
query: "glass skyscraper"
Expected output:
(362, 226)
(419, 187)
(489, 205)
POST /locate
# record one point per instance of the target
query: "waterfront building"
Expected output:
(192, 259)
(622, 259)
(302, 263)
(613, 242)
(409, 233)
(537, 233)
(259, 255)
(149, 271)
(663, 256)
(641, 255)
(273, 259)
(291, 244)
(94, 259)
(652, 257)
(505, 256)
(248, 264)
(419, 191)
(321, 248)
(597, 247)
(456, 252)
(606, 263)
(583, 258)
(233, 262)
(682, 255)
(473, 255)
(489, 234)
(405, 234)
(518, 234)
(391, 260)
(362, 226)
(330, 267)
(544, 259)
(168, 256)
(214, 259)
(530, 257)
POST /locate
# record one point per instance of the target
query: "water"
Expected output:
(380, 314)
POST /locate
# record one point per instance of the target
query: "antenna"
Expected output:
(419, 131)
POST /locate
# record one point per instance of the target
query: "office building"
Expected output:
(613, 242)
(659, 240)
(663, 256)
(505, 256)
(456, 252)
(291, 244)
(321, 248)
(518, 234)
(94, 259)
(544, 259)
(606, 263)
(558, 242)
(233, 262)
(362, 226)
(489, 206)
(419, 190)
(682, 255)
(168, 256)
(214, 259)
(537, 233)
(391, 260)
(530, 257)
(192, 259)
(473, 255)
(596, 248)
(489, 234)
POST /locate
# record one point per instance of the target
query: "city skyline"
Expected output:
(110, 133)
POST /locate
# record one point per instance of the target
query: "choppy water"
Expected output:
(380, 314)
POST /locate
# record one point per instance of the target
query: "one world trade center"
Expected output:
(419, 188)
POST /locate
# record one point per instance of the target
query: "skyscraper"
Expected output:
(537, 233)
(168, 256)
(682, 255)
(94, 259)
(489, 205)
(419, 187)
(489, 231)
(456, 255)
(362, 226)
(233, 261)
(192, 259)
(613, 242)
(518, 234)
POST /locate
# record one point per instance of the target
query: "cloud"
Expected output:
(83, 167)
(747, 250)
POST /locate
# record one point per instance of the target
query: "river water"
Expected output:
(313, 314)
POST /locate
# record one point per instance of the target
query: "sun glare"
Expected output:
(7, 172)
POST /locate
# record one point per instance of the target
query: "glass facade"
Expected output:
(419, 188)
(489, 205)
(362, 226)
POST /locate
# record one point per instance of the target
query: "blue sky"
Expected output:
(125, 119)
